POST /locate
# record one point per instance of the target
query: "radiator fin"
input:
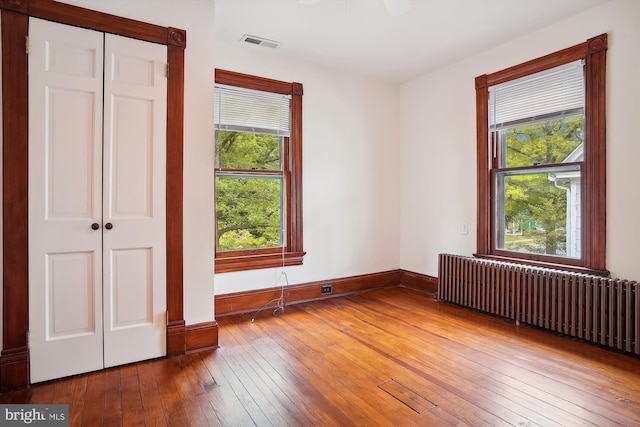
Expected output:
(596, 309)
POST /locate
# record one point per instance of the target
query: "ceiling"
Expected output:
(359, 36)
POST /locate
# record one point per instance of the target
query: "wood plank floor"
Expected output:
(389, 357)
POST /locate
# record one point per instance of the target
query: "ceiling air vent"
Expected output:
(259, 41)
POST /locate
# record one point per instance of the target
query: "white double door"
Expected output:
(97, 178)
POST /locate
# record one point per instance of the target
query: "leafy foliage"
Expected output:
(248, 202)
(548, 142)
(248, 151)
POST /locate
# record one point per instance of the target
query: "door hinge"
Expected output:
(166, 70)
(26, 45)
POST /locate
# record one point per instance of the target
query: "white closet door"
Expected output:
(134, 200)
(65, 199)
(97, 179)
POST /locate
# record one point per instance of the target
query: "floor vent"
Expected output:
(407, 396)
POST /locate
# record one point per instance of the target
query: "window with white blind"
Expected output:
(537, 127)
(541, 159)
(257, 172)
(251, 111)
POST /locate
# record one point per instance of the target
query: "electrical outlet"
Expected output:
(327, 289)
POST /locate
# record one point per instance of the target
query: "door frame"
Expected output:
(14, 15)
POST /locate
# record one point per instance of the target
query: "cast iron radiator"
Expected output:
(597, 309)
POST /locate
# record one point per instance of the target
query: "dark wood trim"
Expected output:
(593, 52)
(202, 336)
(99, 21)
(419, 282)
(546, 62)
(15, 145)
(176, 338)
(295, 170)
(595, 186)
(248, 81)
(483, 165)
(15, 5)
(293, 251)
(243, 302)
(598, 44)
(174, 189)
(254, 262)
(177, 37)
(14, 369)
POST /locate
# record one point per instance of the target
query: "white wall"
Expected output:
(438, 184)
(196, 17)
(350, 170)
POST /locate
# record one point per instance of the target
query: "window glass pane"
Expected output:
(539, 212)
(248, 212)
(543, 143)
(248, 151)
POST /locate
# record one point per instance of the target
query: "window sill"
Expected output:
(256, 262)
(552, 265)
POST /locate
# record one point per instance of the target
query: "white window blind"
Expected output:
(246, 110)
(552, 93)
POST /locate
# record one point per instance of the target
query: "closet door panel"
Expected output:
(131, 155)
(65, 199)
(132, 288)
(134, 200)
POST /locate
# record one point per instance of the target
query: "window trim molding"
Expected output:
(593, 260)
(293, 253)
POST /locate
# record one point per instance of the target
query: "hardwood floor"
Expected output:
(388, 357)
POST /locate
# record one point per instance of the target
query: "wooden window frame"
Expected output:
(292, 252)
(593, 260)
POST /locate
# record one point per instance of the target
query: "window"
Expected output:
(541, 160)
(258, 172)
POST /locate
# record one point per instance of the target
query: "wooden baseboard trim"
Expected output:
(243, 302)
(14, 369)
(176, 338)
(419, 282)
(202, 336)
